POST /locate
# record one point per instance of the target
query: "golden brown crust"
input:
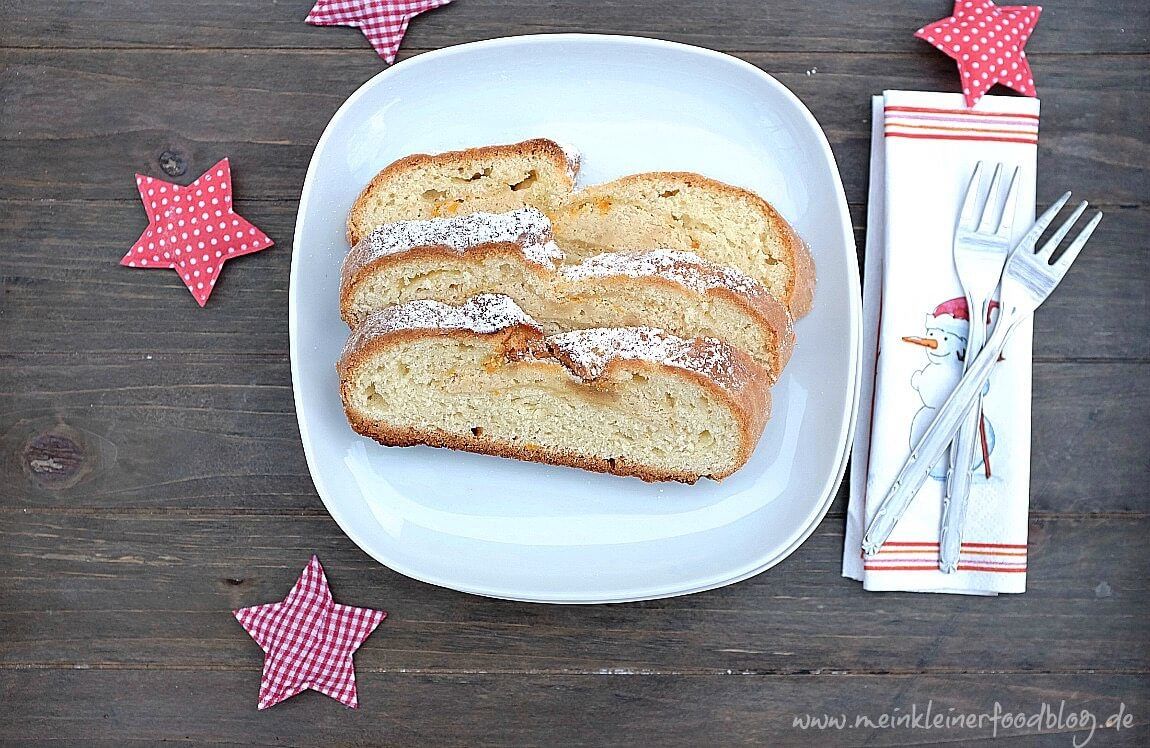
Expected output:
(774, 314)
(761, 305)
(515, 338)
(390, 436)
(750, 400)
(800, 288)
(541, 147)
(393, 436)
(747, 396)
(354, 273)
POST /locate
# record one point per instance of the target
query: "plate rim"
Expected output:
(855, 319)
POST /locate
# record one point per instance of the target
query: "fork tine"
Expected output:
(1079, 242)
(966, 217)
(990, 205)
(1006, 225)
(1056, 239)
(1043, 221)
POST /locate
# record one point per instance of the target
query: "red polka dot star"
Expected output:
(986, 41)
(193, 230)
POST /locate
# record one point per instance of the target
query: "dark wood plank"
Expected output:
(1089, 426)
(77, 122)
(116, 706)
(153, 477)
(67, 294)
(102, 589)
(171, 391)
(192, 430)
(1095, 26)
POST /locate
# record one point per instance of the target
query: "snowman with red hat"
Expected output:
(945, 348)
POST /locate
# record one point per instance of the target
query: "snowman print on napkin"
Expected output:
(945, 347)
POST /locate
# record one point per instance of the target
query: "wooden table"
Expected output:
(152, 476)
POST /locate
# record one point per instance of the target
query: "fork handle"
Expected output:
(957, 497)
(938, 435)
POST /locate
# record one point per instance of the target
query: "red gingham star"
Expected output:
(308, 640)
(383, 22)
(193, 229)
(986, 41)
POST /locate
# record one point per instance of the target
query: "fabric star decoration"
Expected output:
(193, 230)
(383, 22)
(308, 640)
(986, 41)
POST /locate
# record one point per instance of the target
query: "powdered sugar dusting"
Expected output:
(588, 352)
(585, 353)
(485, 313)
(546, 254)
(527, 227)
(573, 156)
(684, 268)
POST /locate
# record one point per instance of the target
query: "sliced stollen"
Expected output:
(483, 377)
(450, 260)
(495, 178)
(726, 225)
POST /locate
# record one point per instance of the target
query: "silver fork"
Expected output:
(981, 245)
(1027, 281)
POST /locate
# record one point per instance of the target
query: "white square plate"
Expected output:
(532, 532)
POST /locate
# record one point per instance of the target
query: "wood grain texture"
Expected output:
(188, 430)
(109, 113)
(70, 296)
(1067, 26)
(97, 572)
(532, 709)
(151, 475)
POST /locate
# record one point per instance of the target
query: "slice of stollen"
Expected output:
(483, 377)
(450, 260)
(496, 178)
(688, 212)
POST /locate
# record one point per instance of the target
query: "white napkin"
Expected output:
(924, 147)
